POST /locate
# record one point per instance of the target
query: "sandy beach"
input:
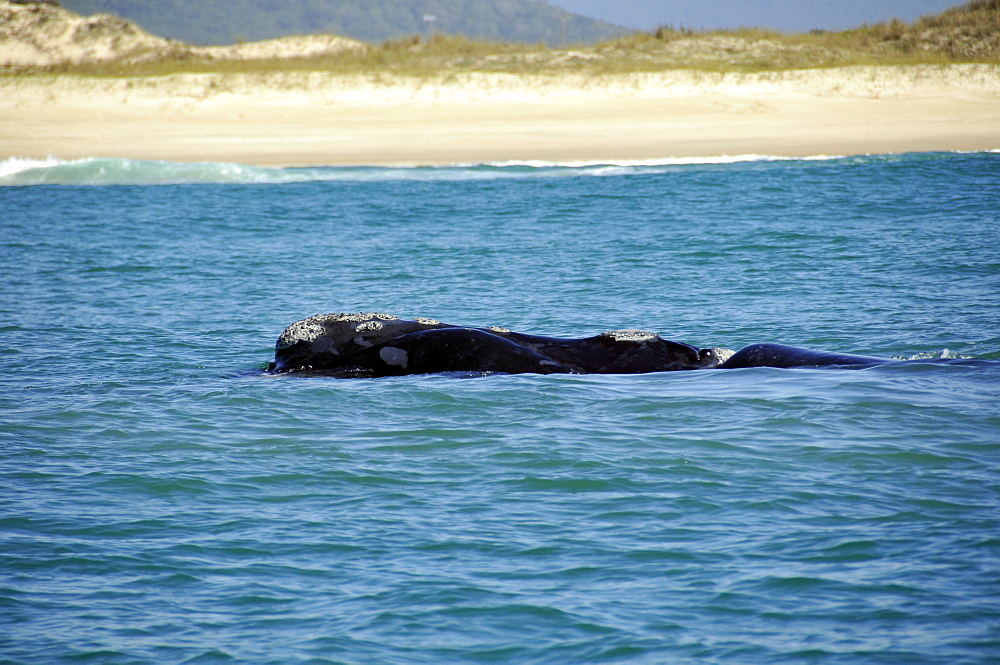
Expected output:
(303, 118)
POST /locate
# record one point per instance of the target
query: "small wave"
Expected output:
(15, 165)
(943, 354)
(103, 171)
(17, 171)
(666, 161)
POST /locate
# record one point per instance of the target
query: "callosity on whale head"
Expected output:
(715, 356)
(324, 340)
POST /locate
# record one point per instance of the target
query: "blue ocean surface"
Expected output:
(163, 499)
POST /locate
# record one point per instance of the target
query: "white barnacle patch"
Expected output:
(427, 322)
(499, 329)
(394, 356)
(307, 330)
(368, 326)
(629, 335)
(722, 354)
(357, 317)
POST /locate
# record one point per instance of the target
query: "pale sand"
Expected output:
(309, 119)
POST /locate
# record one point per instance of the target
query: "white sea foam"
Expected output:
(18, 171)
(666, 161)
(15, 165)
(102, 171)
(943, 354)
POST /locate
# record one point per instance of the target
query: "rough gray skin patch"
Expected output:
(629, 335)
(306, 330)
(367, 326)
(311, 329)
(358, 317)
(393, 356)
(427, 322)
(499, 329)
(722, 354)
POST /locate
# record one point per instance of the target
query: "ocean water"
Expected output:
(165, 500)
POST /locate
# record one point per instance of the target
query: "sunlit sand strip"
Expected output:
(316, 118)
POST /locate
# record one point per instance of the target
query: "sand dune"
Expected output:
(43, 36)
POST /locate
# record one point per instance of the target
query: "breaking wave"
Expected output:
(18, 171)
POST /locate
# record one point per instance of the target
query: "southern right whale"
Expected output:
(376, 344)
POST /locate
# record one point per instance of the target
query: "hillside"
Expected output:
(199, 22)
(966, 32)
(40, 35)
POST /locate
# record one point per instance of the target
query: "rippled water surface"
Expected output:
(164, 500)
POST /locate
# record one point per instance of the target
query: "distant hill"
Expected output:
(202, 22)
(41, 34)
(783, 15)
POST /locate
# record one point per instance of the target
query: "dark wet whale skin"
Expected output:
(384, 345)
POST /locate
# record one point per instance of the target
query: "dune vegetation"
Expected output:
(969, 33)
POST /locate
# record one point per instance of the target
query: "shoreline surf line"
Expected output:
(101, 171)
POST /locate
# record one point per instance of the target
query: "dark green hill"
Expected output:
(230, 21)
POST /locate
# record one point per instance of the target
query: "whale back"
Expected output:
(354, 344)
(780, 355)
(616, 352)
(450, 349)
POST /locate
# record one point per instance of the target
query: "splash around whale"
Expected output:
(378, 344)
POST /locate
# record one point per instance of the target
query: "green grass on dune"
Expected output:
(966, 34)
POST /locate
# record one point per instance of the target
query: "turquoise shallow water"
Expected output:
(164, 500)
